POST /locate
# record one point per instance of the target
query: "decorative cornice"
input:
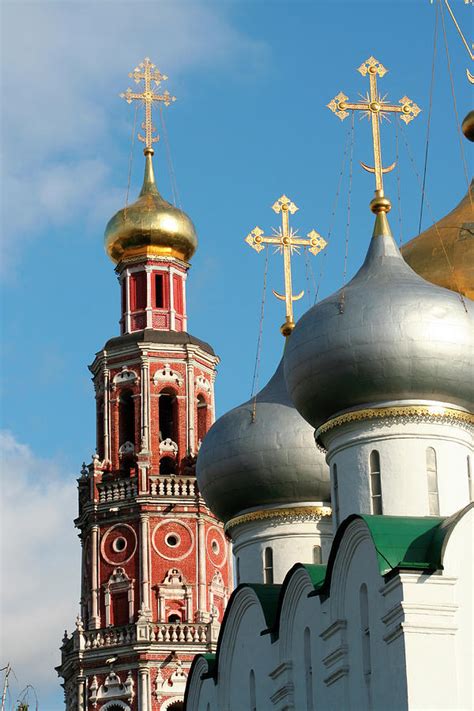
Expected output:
(407, 413)
(283, 515)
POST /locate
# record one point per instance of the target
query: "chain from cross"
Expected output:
(375, 107)
(286, 241)
(152, 78)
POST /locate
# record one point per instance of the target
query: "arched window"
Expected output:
(375, 483)
(167, 466)
(201, 417)
(365, 632)
(174, 619)
(253, 691)
(237, 569)
(268, 566)
(168, 415)
(126, 417)
(335, 489)
(317, 555)
(469, 478)
(432, 474)
(308, 669)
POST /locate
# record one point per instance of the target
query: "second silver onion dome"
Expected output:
(270, 461)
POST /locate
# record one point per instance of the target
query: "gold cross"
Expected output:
(150, 75)
(286, 241)
(375, 107)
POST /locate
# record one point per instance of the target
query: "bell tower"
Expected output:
(156, 564)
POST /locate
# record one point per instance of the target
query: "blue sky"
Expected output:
(252, 81)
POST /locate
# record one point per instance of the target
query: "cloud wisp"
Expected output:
(40, 563)
(63, 64)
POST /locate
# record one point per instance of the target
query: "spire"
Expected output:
(149, 185)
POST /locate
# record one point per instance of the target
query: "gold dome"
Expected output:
(425, 253)
(150, 226)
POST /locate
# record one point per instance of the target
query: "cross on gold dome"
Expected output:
(375, 107)
(287, 241)
(152, 78)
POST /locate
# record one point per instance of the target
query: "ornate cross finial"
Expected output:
(152, 78)
(286, 241)
(375, 107)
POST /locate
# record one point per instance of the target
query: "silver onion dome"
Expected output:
(272, 460)
(389, 335)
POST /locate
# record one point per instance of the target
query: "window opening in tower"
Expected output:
(167, 415)
(126, 418)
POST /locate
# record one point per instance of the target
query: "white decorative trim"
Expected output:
(167, 375)
(219, 535)
(180, 523)
(107, 533)
(167, 446)
(125, 376)
(202, 383)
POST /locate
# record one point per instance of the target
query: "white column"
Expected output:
(144, 689)
(185, 313)
(190, 439)
(201, 601)
(145, 390)
(95, 616)
(172, 308)
(106, 414)
(81, 694)
(149, 308)
(144, 566)
(127, 301)
(213, 399)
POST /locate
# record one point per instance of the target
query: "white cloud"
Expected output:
(40, 562)
(63, 64)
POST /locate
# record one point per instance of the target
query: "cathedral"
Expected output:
(311, 546)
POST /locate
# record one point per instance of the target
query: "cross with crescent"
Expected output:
(287, 241)
(152, 78)
(375, 107)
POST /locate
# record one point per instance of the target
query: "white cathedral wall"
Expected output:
(402, 446)
(439, 628)
(292, 540)
(244, 651)
(338, 679)
(421, 637)
(202, 693)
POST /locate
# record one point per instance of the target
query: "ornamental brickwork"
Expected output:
(156, 564)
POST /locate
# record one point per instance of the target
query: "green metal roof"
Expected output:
(401, 542)
(211, 665)
(405, 542)
(268, 596)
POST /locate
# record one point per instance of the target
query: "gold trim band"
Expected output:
(295, 512)
(434, 413)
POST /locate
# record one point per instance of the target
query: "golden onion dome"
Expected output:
(150, 226)
(452, 238)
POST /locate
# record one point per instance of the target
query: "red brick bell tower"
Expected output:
(156, 565)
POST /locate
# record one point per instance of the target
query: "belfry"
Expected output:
(156, 564)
